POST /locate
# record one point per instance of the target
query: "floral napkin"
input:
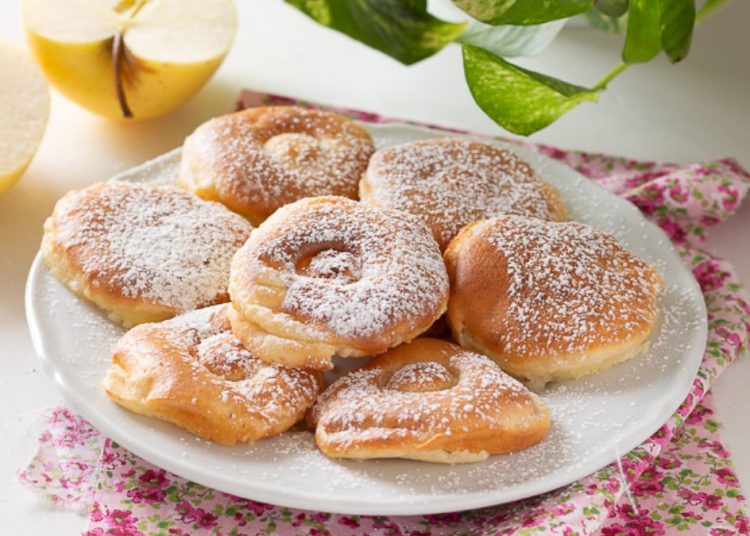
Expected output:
(679, 481)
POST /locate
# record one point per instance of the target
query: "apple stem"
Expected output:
(118, 58)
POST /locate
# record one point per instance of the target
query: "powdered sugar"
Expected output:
(157, 244)
(274, 391)
(334, 264)
(593, 416)
(367, 270)
(265, 158)
(570, 286)
(451, 182)
(475, 395)
(421, 376)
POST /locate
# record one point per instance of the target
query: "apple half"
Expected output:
(24, 110)
(132, 59)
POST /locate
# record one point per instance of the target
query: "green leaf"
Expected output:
(512, 40)
(643, 36)
(612, 8)
(400, 28)
(519, 100)
(659, 25)
(485, 10)
(522, 12)
(677, 21)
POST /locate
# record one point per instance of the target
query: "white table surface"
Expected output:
(699, 109)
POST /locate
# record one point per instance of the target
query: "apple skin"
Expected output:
(83, 73)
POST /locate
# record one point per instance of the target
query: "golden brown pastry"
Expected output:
(329, 276)
(449, 182)
(191, 371)
(427, 400)
(142, 253)
(549, 301)
(260, 159)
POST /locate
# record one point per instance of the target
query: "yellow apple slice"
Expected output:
(24, 110)
(129, 58)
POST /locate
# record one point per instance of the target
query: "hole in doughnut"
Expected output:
(329, 261)
(293, 148)
(421, 377)
(224, 357)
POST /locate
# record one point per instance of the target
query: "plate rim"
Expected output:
(293, 498)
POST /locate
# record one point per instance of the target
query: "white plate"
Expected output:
(595, 419)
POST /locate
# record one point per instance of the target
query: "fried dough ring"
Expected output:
(428, 400)
(143, 253)
(260, 159)
(450, 182)
(549, 301)
(328, 275)
(191, 371)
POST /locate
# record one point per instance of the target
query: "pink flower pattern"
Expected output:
(680, 481)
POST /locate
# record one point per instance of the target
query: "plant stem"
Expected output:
(707, 9)
(611, 75)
